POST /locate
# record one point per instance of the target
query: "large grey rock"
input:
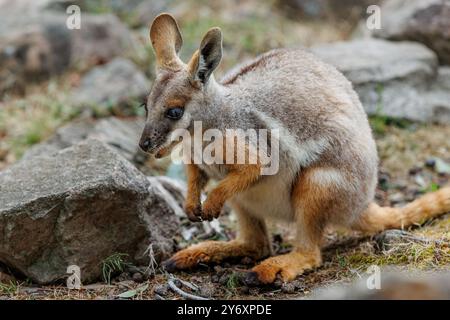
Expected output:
(79, 206)
(425, 21)
(36, 45)
(118, 83)
(122, 135)
(397, 79)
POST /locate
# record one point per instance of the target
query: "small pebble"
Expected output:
(207, 290)
(124, 276)
(245, 290)
(396, 197)
(138, 277)
(415, 170)
(299, 285)
(224, 279)
(161, 289)
(288, 287)
(383, 180)
(214, 278)
(430, 163)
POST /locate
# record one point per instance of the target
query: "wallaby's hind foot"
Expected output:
(213, 252)
(287, 266)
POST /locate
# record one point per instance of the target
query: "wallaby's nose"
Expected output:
(145, 144)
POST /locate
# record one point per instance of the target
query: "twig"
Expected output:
(189, 285)
(183, 293)
(152, 261)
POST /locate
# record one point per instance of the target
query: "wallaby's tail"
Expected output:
(376, 218)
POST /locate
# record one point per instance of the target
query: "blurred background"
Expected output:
(60, 86)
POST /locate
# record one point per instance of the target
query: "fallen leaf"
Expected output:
(131, 293)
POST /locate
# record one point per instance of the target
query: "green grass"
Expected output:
(9, 289)
(112, 265)
(432, 187)
(233, 281)
(381, 123)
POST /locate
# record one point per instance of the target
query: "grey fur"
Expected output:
(320, 116)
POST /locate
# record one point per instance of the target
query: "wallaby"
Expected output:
(327, 156)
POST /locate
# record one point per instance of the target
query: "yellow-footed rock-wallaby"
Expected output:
(327, 170)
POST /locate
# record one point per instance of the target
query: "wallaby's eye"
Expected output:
(174, 113)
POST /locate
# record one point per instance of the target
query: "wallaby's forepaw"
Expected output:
(287, 266)
(208, 212)
(211, 210)
(193, 212)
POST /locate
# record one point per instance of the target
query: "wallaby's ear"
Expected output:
(166, 41)
(208, 57)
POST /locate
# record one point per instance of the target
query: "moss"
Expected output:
(413, 255)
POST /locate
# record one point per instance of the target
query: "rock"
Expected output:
(288, 287)
(441, 166)
(161, 289)
(207, 290)
(138, 277)
(425, 21)
(439, 95)
(79, 206)
(120, 134)
(395, 79)
(36, 45)
(118, 84)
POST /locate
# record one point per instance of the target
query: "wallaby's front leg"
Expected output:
(196, 181)
(239, 178)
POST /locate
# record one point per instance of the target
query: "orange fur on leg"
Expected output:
(288, 266)
(312, 201)
(239, 178)
(196, 181)
(209, 252)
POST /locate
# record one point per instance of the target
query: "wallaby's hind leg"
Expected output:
(313, 199)
(305, 255)
(252, 241)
